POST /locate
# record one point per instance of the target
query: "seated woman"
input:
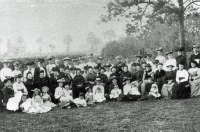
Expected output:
(8, 91)
(116, 93)
(18, 86)
(63, 94)
(169, 81)
(194, 79)
(181, 89)
(46, 97)
(131, 92)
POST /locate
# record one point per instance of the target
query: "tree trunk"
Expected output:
(181, 24)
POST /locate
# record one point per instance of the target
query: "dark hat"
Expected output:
(55, 69)
(90, 55)
(75, 60)
(100, 58)
(126, 78)
(167, 53)
(148, 65)
(102, 68)
(133, 64)
(181, 63)
(16, 63)
(66, 59)
(78, 69)
(137, 64)
(144, 62)
(30, 63)
(36, 89)
(156, 61)
(159, 49)
(7, 79)
(119, 57)
(160, 64)
(19, 76)
(72, 68)
(138, 56)
(50, 57)
(113, 77)
(86, 67)
(41, 60)
(81, 58)
(147, 55)
(96, 67)
(195, 46)
(62, 66)
(107, 65)
(193, 61)
(180, 49)
(41, 71)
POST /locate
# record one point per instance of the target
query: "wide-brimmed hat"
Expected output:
(50, 57)
(169, 52)
(66, 59)
(159, 49)
(195, 46)
(41, 60)
(19, 76)
(180, 49)
(170, 65)
(81, 58)
(36, 89)
(107, 65)
(6, 61)
(119, 57)
(16, 63)
(148, 65)
(133, 64)
(7, 79)
(127, 78)
(138, 56)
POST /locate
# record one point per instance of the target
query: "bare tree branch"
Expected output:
(193, 2)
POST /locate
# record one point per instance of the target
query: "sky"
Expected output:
(52, 20)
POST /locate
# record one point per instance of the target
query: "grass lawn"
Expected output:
(174, 115)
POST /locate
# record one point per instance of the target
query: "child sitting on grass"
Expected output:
(98, 91)
(115, 93)
(89, 96)
(78, 102)
(46, 97)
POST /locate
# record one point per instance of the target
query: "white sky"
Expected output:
(53, 19)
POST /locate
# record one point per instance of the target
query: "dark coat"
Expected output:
(7, 93)
(181, 59)
(37, 72)
(193, 57)
(170, 75)
(30, 85)
(41, 82)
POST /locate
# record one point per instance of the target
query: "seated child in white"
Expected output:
(63, 94)
(98, 95)
(89, 96)
(154, 91)
(46, 97)
(115, 92)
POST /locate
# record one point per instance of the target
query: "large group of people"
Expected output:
(79, 83)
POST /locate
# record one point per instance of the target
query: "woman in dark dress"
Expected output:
(30, 84)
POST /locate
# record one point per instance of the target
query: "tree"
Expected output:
(67, 40)
(110, 34)
(141, 13)
(52, 48)
(93, 41)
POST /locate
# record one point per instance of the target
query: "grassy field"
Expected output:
(165, 115)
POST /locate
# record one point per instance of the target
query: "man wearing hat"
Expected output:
(57, 63)
(99, 62)
(138, 59)
(119, 65)
(16, 69)
(6, 71)
(180, 57)
(30, 68)
(169, 61)
(39, 68)
(67, 62)
(147, 59)
(160, 57)
(50, 66)
(195, 56)
(82, 63)
(91, 62)
(75, 62)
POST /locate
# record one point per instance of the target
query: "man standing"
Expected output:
(195, 56)
(160, 57)
(91, 62)
(39, 68)
(50, 66)
(181, 58)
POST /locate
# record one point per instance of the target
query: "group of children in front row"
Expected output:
(17, 100)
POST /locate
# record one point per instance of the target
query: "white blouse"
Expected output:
(6, 72)
(20, 87)
(182, 73)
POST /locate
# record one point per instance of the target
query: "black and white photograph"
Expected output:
(99, 65)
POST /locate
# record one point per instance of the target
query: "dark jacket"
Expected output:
(7, 93)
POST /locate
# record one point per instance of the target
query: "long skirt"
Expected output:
(166, 91)
(181, 91)
(195, 88)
